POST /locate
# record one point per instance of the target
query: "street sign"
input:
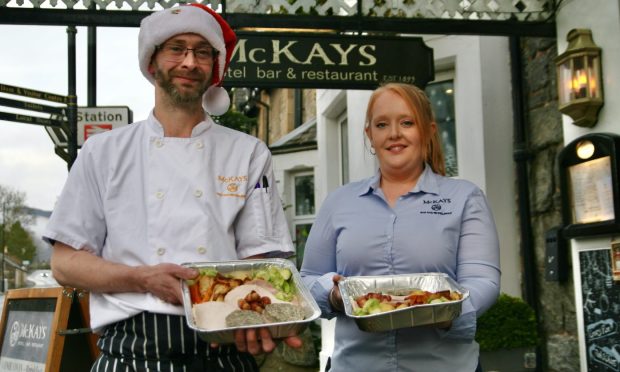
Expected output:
(95, 120)
(30, 119)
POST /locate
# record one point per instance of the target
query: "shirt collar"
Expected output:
(198, 129)
(427, 183)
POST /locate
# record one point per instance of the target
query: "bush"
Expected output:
(510, 323)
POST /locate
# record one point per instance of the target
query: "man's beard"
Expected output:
(186, 98)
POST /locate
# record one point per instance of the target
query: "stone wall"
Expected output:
(545, 141)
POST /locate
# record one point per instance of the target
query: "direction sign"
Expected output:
(94, 120)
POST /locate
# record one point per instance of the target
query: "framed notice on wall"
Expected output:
(589, 179)
(38, 328)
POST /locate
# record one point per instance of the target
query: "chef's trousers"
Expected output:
(150, 342)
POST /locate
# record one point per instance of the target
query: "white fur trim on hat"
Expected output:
(216, 100)
(162, 25)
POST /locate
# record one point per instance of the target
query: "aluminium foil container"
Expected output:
(417, 315)
(278, 330)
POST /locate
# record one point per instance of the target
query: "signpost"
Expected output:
(57, 123)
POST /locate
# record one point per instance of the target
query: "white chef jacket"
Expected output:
(136, 197)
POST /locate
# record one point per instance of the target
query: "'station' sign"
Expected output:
(94, 120)
(328, 61)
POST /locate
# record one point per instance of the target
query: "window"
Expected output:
(303, 184)
(441, 95)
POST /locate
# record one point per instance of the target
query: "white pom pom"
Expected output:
(216, 100)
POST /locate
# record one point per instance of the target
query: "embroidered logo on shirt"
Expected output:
(230, 185)
(436, 206)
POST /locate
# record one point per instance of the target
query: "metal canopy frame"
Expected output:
(534, 18)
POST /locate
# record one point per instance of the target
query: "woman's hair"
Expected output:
(423, 116)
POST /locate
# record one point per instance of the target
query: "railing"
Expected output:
(522, 10)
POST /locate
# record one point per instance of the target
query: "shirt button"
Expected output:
(198, 193)
(202, 250)
(159, 143)
(161, 251)
(199, 145)
(159, 195)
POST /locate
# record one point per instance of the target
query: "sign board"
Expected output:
(35, 332)
(597, 310)
(94, 120)
(329, 61)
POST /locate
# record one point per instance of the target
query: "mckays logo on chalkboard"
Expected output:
(28, 341)
(327, 61)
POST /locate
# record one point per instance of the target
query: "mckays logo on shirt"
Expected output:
(436, 206)
(230, 185)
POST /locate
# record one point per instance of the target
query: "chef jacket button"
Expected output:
(159, 194)
(198, 193)
(161, 251)
(159, 143)
(202, 250)
(199, 145)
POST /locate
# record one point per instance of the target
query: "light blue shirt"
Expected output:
(442, 225)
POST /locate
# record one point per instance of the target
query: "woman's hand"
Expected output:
(335, 298)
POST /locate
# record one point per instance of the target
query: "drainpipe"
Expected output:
(521, 156)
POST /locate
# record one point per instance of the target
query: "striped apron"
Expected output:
(152, 342)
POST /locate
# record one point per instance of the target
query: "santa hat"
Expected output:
(197, 19)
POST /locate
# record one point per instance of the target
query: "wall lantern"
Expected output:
(580, 88)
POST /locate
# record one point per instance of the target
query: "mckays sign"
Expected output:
(94, 120)
(328, 61)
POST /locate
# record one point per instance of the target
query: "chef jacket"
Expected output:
(136, 197)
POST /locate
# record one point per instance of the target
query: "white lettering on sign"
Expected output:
(332, 55)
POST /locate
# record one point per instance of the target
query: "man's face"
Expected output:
(182, 68)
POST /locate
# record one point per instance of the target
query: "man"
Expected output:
(174, 188)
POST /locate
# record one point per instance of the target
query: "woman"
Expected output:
(408, 218)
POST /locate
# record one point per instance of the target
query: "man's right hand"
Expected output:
(162, 280)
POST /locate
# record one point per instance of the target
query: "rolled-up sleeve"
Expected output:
(78, 218)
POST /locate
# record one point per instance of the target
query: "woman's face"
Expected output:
(395, 135)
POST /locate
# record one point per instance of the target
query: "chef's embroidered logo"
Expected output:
(437, 206)
(230, 185)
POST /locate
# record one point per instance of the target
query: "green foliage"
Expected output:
(236, 120)
(510, 323)
(19, 243)
(13, 217)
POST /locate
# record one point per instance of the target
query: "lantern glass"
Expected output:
(566, 80)
(593, 76)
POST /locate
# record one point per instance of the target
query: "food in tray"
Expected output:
(243, 298)
(375, 303)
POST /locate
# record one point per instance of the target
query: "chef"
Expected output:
(174, 188)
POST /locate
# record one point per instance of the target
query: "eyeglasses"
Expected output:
(178, 52)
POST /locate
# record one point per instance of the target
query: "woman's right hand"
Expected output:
(335, 298)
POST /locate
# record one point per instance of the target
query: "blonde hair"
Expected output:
(423, 114)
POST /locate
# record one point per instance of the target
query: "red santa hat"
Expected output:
(197, 19)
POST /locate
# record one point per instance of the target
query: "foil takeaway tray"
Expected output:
(417, 315)
(278, 330)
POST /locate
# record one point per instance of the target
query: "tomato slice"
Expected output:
(194, 293)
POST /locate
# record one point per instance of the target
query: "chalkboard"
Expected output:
(600, 297)
(46, 330)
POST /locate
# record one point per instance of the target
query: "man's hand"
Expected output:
(163, 280)
(257, 340)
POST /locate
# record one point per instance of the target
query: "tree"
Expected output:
(236, 120)
(12, 210)
(19, 243)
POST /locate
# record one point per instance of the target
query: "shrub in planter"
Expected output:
(509, 324)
